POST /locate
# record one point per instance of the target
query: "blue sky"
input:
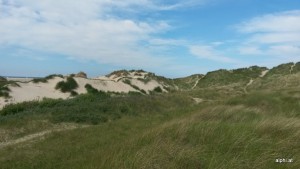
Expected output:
(168, 37)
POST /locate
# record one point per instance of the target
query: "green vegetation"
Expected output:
(45, 79)
(2, 79)
(225, 77)
(4, 89)
(228, 129)
(296, 68)
(157, 89)
(282, 69)
(67, 86)
(187, 83)
(119, 73)
(138, 71)
(144, 80)
(73, 93)
(160, 131)
(127, 81)
(90, 89)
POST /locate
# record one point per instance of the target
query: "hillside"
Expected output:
(116, 82)
(217, 120)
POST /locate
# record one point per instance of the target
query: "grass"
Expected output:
(229, 129)
(4, 89)
(157, 89)
(127, 81)
(90, 89)
(45, 79)
(164, 131)
(282, 69)
(225, 77)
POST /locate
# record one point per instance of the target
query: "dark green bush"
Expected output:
(144, 80)
(67, 86)
(80, 118)
(2, 79)
(143, 91)
(18, 108)
(90, 89)
(54, 75)
(40, 80)
(45, 79)
(135, 87)
(158, 89)
(127, 81)
(4, 91)
(134, 93)
(48, 103)
(74, 93)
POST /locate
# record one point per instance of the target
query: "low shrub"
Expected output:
(2, 79)
(90, 89)
(40, 80)
(45, 79)
(4, 91)
(67, 86)
(157, 89)
(18, 108)
(127, 81)
(74, 93)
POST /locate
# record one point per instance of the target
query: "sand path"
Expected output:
(40, 135)
(292, 68)
(196, 82)
(248, 84)
(263, 73)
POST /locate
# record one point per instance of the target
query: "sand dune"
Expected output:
(28, 91)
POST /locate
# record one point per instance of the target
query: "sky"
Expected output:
(172, 38)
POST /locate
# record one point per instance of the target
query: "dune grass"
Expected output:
(45, 79)
(4, 89)
(160, 131)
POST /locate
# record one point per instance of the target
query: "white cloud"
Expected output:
(273, 38)
(285, 50)
(208, 52)
(276, 36)
(288, 21)
(88, 30)
(250, 50)
(283, 27)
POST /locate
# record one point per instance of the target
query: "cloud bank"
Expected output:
(276, 35)
(86, 30)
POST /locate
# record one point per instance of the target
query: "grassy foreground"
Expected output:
(160, 131)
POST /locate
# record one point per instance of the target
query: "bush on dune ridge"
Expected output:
(45, 79)
(67, 86)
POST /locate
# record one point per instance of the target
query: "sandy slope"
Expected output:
(37, 91)
(149, 86)
(29, 91)
(34, 91)
(103, 85)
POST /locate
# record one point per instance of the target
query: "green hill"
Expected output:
(213, 125)
(224, 77)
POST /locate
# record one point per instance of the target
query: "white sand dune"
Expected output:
(34, 91)
(29, 91)
(103, 85)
